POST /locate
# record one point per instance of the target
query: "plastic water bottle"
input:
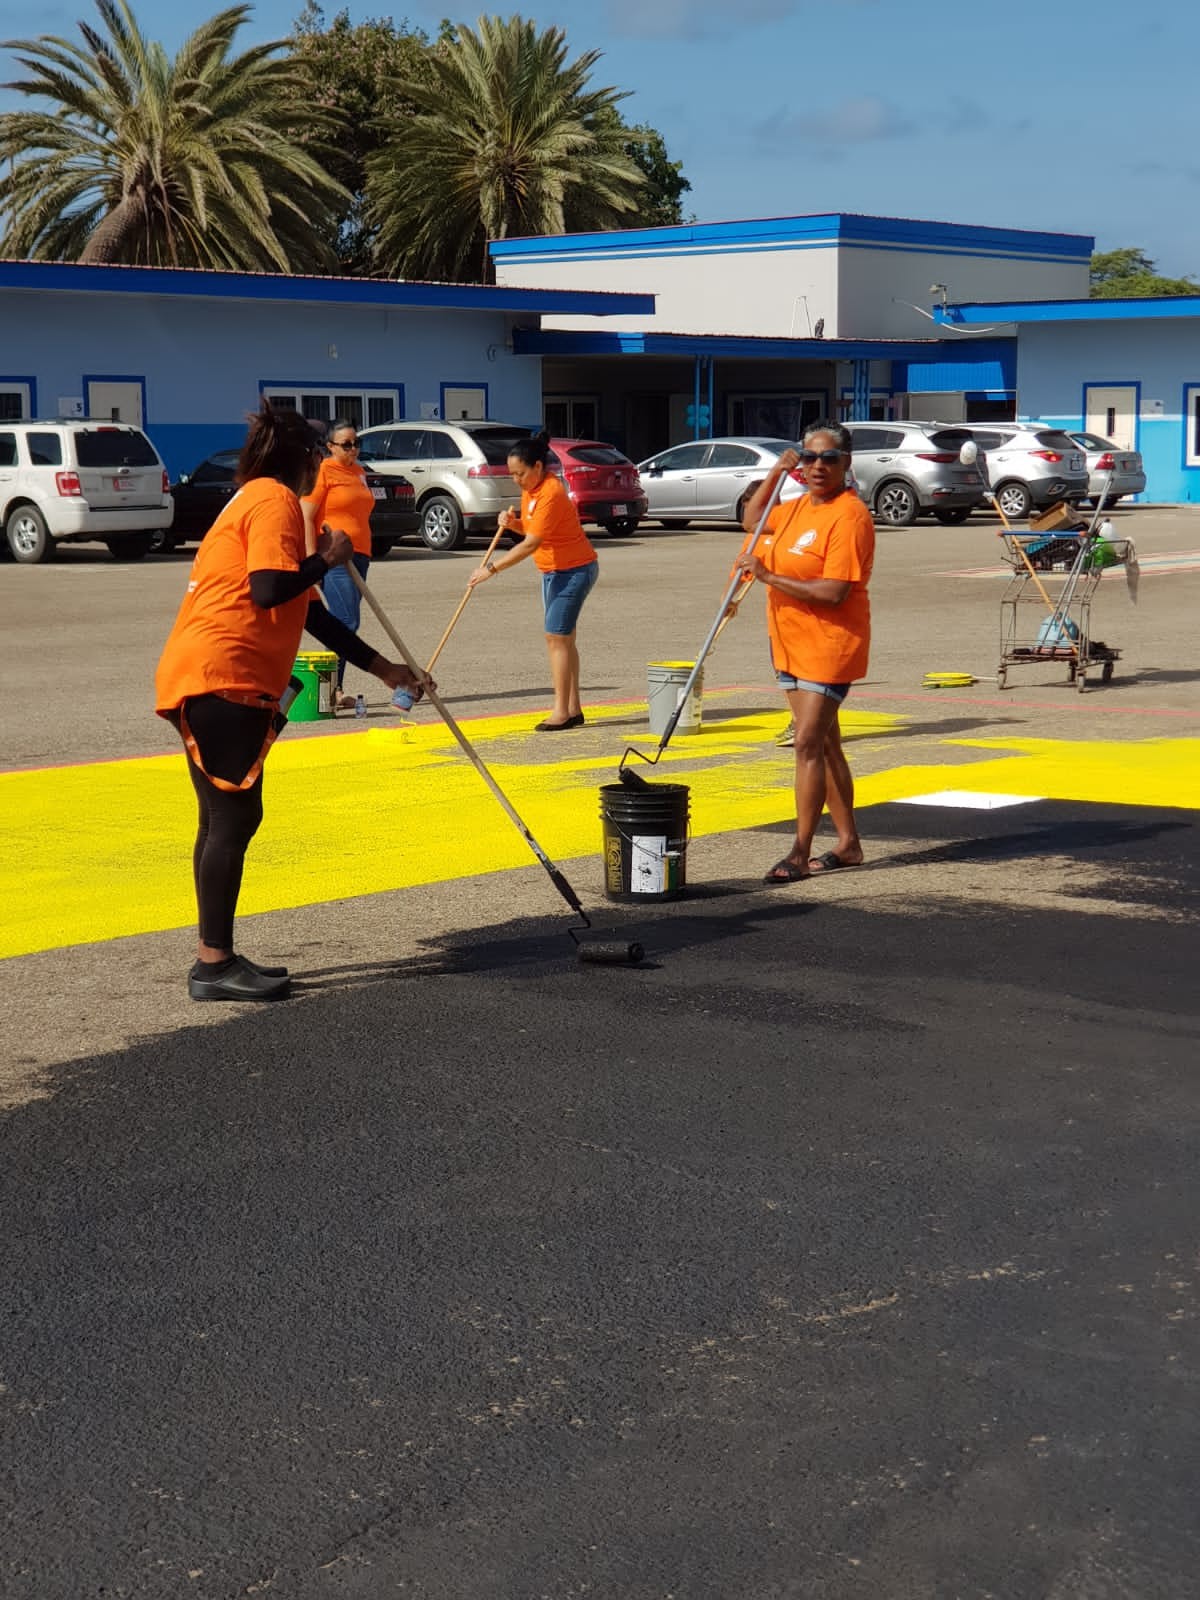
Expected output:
(402, 699)
(360, 707)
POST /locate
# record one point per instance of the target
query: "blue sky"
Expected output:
(1073, 116)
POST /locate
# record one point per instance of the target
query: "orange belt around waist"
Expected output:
(256, 702)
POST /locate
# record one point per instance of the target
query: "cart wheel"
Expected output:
(1072, 670)
(1081, 680)
(1001, 678)
(1106, 674)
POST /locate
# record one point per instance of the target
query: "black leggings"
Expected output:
(230, 738)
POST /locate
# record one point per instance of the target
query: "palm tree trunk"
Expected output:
(108, 241)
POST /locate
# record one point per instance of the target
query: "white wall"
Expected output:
(748, 292)
(874, 284)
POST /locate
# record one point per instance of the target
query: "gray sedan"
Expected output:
(708, 480)
(1112, 471)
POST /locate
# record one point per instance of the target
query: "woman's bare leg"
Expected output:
(839, 801)
(812, 714)
(560, 647)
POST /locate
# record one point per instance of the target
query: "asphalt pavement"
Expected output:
(845, 1248)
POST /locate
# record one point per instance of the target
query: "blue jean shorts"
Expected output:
(831, 691)
(563, 594)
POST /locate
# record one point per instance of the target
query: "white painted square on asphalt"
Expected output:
(969, 800)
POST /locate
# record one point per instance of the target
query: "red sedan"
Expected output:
(602, 482)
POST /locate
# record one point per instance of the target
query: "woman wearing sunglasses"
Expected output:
(341, 497)
(816, 563)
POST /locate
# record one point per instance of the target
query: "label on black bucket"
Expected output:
(648, 863)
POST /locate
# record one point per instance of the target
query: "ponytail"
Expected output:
(533, 451)
(279, 444)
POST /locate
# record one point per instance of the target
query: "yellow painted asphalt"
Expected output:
(390, 808)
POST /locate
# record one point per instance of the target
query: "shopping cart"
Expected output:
(1045, 614)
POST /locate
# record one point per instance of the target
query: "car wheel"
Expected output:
(162, 542)
(1014, 500)
(28, 536)
(130, 546)
(441, 523)
(672, 524)
(621, 527)
(896, 504)
(381, 548)
(953, 515)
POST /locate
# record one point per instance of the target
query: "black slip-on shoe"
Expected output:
(234, 980)
(263, 971)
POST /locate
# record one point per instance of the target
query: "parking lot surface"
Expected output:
(845, 1247)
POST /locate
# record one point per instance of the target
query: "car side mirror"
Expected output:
(184, 477)
(652, 469)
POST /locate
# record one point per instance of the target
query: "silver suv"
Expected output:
(906, 469)
(1028, 465)
(80, 480)
(459, 471)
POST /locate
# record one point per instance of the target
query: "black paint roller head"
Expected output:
(610, 953)
(632, 779)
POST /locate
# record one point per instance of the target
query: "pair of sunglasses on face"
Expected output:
(829, 457)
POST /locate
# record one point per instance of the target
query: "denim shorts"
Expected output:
(563, 594)
(831, 691)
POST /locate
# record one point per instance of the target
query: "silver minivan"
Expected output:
(908, 469)
(1028, 464)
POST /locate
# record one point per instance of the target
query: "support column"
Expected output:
(860, 404)
(712, 362)
(696, 431)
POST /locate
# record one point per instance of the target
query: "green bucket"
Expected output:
(317, 671)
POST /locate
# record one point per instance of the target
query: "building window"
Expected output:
(365, 407)
(14, 401)
(572, 416)
(775, 416)
(1191, 426)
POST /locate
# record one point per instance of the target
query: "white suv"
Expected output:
(80, 480)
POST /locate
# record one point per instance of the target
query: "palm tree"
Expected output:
(138, 158)
(504, 132)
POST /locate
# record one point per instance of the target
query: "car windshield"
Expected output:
(113, 447)
(495, 443)
(598, 455)
(949, 438)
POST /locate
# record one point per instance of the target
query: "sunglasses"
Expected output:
(345, 444)
(829, 457)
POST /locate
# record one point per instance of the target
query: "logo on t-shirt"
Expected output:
(803, 542)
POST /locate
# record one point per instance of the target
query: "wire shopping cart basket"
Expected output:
(1045, 613)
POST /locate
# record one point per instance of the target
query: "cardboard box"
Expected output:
(1057, 518)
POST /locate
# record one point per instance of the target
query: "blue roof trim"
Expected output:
(560, 258)
(825, 228)
(1070, 310)
(564, 342)
(267, 286)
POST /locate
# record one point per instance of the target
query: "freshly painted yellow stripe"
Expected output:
(364, 812)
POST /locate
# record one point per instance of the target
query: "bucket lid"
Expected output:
(673, 666)
(316, 658)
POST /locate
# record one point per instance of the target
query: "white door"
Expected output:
(464, 403)
(1112, 413)
(112, 401)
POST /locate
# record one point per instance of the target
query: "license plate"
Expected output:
(120, 484)
(380, 494)
(620, 511)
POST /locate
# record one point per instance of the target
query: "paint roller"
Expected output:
(596, 951)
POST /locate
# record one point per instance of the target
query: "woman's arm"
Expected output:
(757, 502)
(510, 558)
(311, 525)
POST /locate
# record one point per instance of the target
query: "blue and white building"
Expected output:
(186, 354)
(1126, 369)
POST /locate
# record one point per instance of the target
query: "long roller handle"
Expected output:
(735, 583)
(556, 877)
(462, 604)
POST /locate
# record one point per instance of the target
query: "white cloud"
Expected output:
(861, 119)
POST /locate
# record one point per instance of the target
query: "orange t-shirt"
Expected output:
(221, 640)
(828, 644)
(341, 498)
(549, 515)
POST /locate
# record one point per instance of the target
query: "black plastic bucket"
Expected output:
(645, 840)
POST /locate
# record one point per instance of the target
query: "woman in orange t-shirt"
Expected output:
(341, 496)
(816, 566)
(553, 535)
(226, 666)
